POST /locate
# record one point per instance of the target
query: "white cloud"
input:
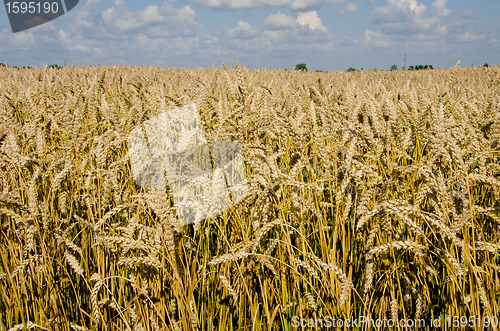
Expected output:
(376, 39)
(98, 52)
(440, 8)
(245, 4)
(80, 48)
(21, 39)
(403, 17)
(347, 41)
(163, 21)
(468, 14)
(159, 49)
(397, 11)
(388, 14)
(280, 21)
(441, 30)
(348, 8)
(311, 18)
(243, 31)
(307, 4)
(117, 34)
(415, 26)
(470, 36)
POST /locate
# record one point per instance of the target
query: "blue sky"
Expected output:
(324, 34)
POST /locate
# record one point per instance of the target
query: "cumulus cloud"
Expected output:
(243, 31)
(117, 34)
(280, 21)
(397, 11)
(311, 19)
(347, 41)
(348, 8)
(80, 48)
(388, 14)
(470, 36)
(168, 48)
(282, 34)
(376, 40)
(403, 17)
(440, 8)
(307, 4)
(468, 14)
(246, 4)
(416, 26)
(159, 21)
(22, 39)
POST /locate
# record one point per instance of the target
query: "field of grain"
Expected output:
(371, 194)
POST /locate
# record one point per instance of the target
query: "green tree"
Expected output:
(301, 66)
(486, 65)
(411, 68)
(351, 69)
(394, 67)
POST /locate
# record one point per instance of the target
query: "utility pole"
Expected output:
(403, 67)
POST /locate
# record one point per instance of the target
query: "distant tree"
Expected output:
(486, 65)
(2, 65)
(351, 69)
(301, 66)
(394, 67)
(421, 67)
(55, 66)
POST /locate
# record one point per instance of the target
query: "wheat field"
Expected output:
(371, 194)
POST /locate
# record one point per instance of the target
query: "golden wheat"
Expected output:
(374, 193)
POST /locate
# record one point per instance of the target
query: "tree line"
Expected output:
(56, 66)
